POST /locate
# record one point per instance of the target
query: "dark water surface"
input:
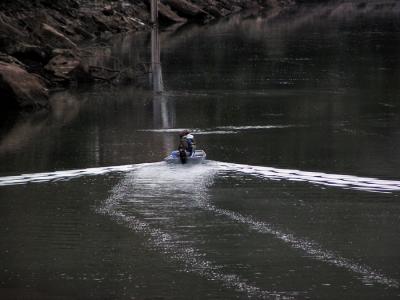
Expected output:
(299, 116)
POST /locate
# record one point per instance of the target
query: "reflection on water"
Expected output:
(156, 70)
(65, 108)
(299, 114)
(244, 72)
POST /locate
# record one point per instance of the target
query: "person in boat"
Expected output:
(187, 144)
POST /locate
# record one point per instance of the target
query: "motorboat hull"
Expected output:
(196, 158)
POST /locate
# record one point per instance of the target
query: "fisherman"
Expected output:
(191, 144)
(186, 144)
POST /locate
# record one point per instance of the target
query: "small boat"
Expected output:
(196, 158)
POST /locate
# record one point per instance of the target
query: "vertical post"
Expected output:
(155, 50)
(154, 12)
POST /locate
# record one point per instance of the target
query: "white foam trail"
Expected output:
(256, 127)
(365, 184)
(336, 180)
(215, 132)
(67, 174)
(220, 129)
(368, 275)
(165, 130)
(191, 258)
(311, 248)
(154, 184)
(195, 131)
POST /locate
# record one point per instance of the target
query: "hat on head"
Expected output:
(184, 132)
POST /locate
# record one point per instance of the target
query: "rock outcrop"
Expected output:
(188, 10)
(20, 89)
(66, 66)
(55, 39)
(39, 40)
(168, 16)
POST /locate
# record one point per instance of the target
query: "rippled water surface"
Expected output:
(299, 197)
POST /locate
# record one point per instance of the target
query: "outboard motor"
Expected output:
(183, 155)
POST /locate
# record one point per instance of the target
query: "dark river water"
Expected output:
(299, 198)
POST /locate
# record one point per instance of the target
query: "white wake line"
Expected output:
(220, 129)
(332, 180)
(258, 127)
(312, 249)
(195, 131)
(368, 275)
(191, 258)
(335, 180)
(68, 174)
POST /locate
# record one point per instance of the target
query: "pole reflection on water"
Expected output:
(164, 117)
(161, 110)
(156, 73)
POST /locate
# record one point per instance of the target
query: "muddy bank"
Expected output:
(41, 41)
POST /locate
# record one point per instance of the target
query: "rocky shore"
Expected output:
(40, 41)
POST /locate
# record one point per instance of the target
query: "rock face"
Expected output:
(189, 10)
(20, 89)
(11, 60)
(168, 16)
(55, 38)
(66, 66)
(39, 39)
(29, 52)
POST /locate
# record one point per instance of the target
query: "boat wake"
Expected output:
(68, 174)
(365, 184)
(330, 180)
(221, 129)
(156, 200)
(139, 203)
(153, 200)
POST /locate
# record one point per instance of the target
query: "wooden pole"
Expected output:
(154, 12)
(155, 50)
